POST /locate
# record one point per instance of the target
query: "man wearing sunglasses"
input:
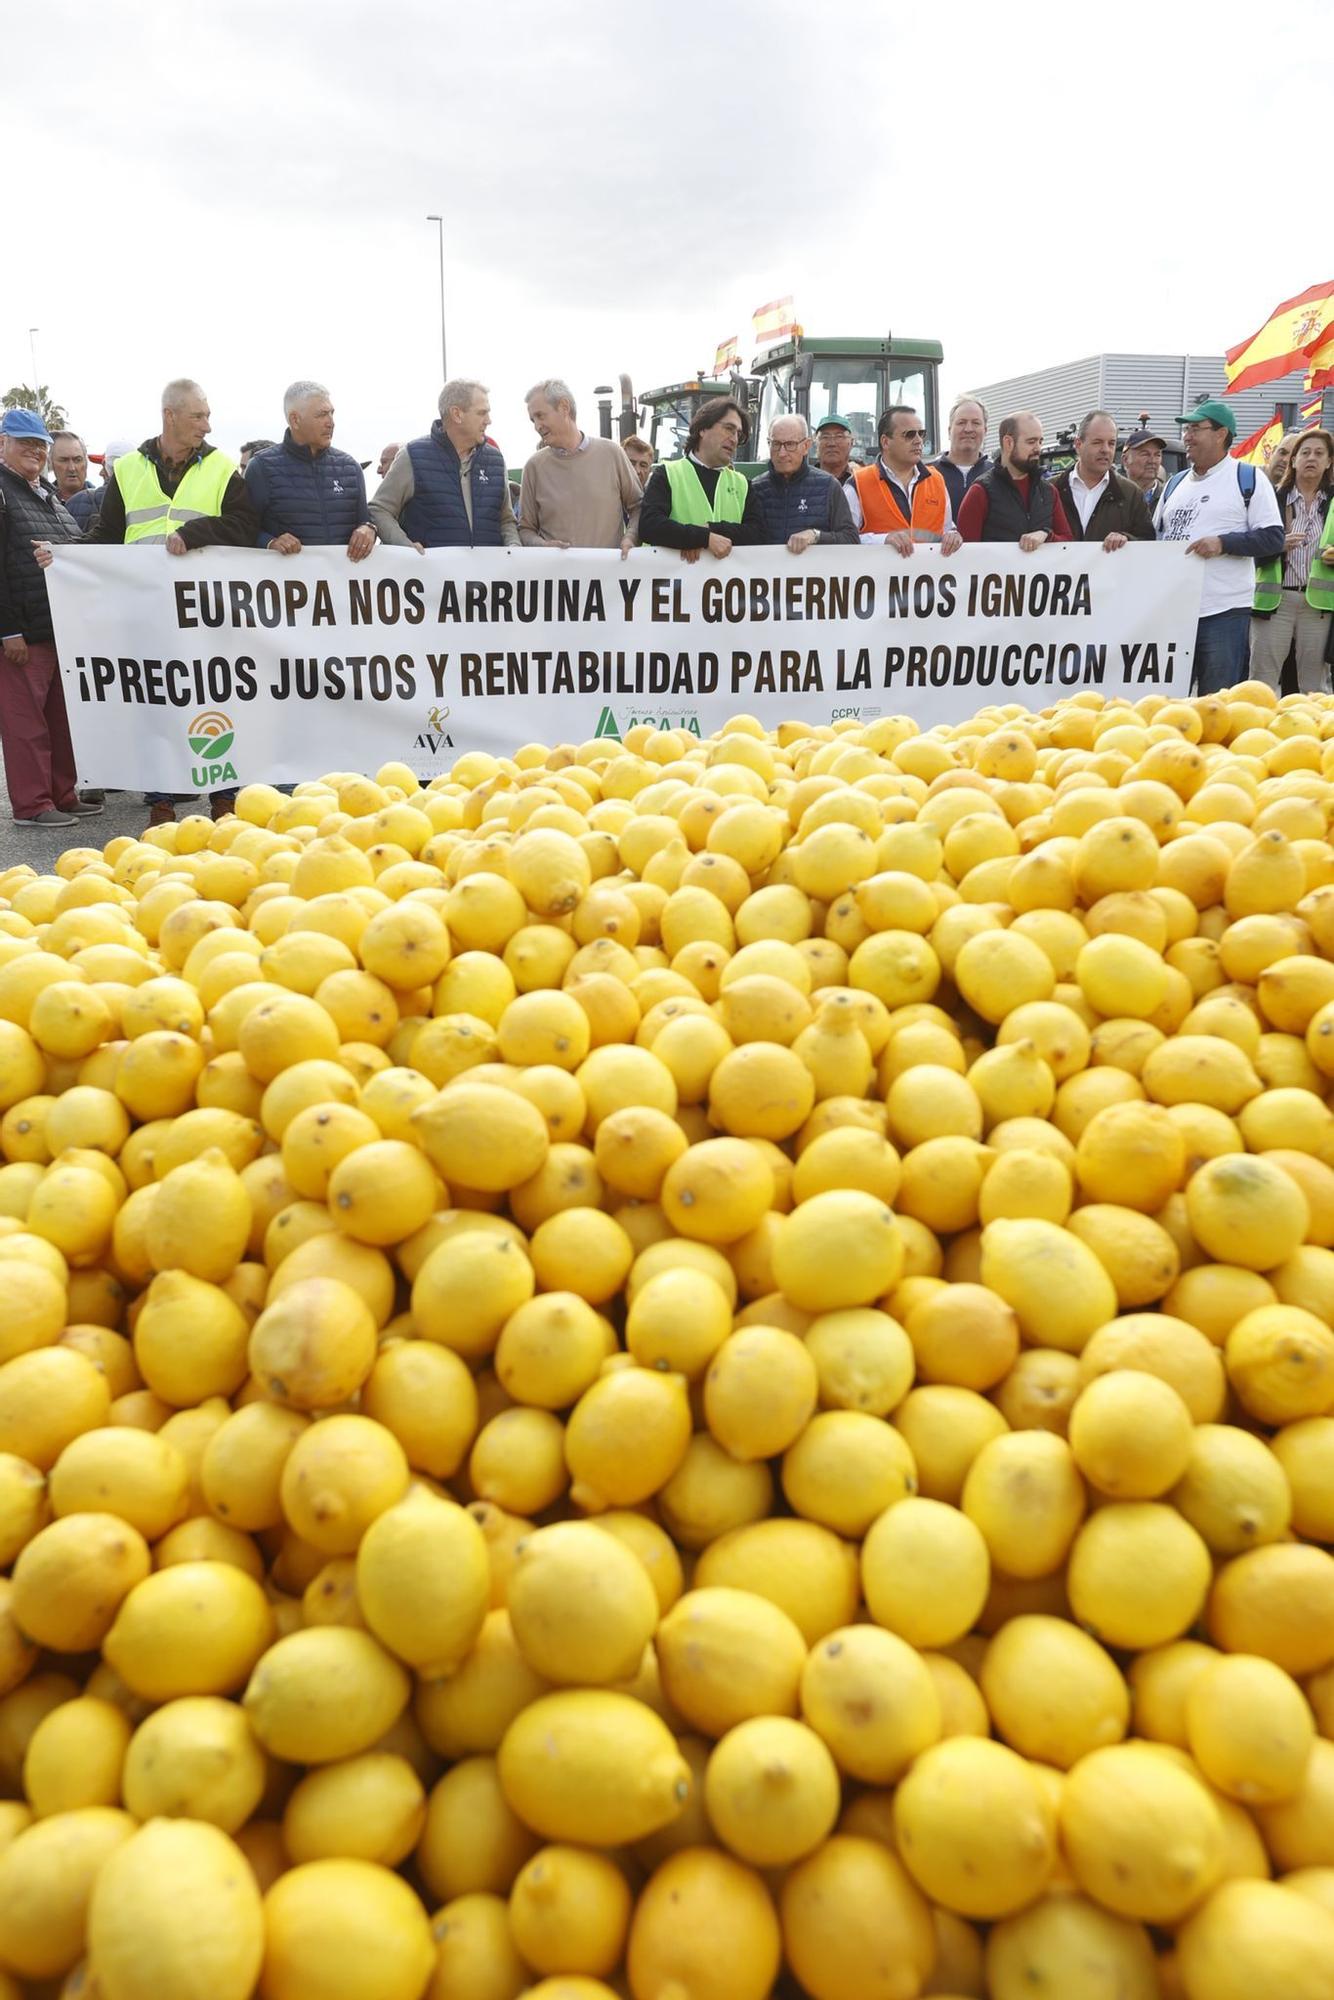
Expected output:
(902, 500)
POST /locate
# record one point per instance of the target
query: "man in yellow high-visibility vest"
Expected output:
(178, 491)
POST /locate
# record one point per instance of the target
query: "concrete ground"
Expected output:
(42, 846)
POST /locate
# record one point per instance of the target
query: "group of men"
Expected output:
(450, 488)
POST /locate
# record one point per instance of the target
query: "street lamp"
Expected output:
(439, 222)
(33, 332)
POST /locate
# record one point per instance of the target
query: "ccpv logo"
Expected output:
(211, 736)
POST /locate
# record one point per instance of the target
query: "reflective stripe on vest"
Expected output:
(882, 514)
(150, 515)
(1320, 584)
(691, 505)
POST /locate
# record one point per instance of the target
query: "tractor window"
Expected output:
(908, 384)
(851, 389)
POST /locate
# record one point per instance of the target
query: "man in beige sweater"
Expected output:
(578, 492)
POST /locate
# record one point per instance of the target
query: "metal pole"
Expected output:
(439, 222)
(33, 332)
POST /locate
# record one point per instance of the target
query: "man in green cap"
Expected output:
(833, 454)
(1226, 513)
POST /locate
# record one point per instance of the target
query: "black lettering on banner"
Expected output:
(437, 662)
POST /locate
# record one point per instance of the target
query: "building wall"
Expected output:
(1125, 384)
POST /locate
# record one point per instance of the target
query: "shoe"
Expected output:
(84, 808)
(93, 798)
(221, 804)
(162, 814)
(51, 817)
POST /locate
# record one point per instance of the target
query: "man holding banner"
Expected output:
(701, 502)
(178, 491)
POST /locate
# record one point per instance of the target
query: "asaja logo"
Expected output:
(211, 736)
(608, 724)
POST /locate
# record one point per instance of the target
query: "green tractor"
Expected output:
(851, 377)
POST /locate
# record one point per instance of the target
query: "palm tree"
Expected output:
(39, 399)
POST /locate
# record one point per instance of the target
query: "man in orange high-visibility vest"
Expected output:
(902, 500)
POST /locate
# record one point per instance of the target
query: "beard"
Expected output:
(1024, 468)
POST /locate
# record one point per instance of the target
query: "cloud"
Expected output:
(240, 193)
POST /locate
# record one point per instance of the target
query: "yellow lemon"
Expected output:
(423, 1581)
(324, 1693)
(569, 1911)
(1142, 1835)
(339, 1476)
(210, 1928)
(1131, 1434)
(592, 1766)
(1252, 1937)
(704, 1925)
(340, 1926)
(581, 1605)
(873, 1700)
(1065, 1939)
(925, 1572)
(1053, 1692)
(772, 1790)
(726, 1655)
(196, 1759)
(975, 1828)
(75, 1757)
(838, 1249)
(196, 1628)
(369, 1808)
(1137, 1575)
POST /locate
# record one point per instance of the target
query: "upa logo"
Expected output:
(211, 736)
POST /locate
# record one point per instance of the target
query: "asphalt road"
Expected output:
(42, 846)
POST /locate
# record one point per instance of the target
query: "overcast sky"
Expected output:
(238, 191)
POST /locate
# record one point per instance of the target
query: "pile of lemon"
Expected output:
(690, 1369)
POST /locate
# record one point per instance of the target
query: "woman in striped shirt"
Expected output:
(1294, 598)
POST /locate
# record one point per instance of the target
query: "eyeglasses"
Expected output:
(910, 434)
(786, 444)
(732, 430)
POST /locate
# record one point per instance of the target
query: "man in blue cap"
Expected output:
(34, 727)
(1226, 512)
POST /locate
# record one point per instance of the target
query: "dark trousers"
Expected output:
(34, 731)
(1222, 651)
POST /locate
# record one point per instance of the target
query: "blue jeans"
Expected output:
(1222, 651)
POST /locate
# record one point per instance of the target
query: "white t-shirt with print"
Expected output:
(1211, 503)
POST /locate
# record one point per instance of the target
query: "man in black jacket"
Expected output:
(34, 727)
(799, 504)
(1101, 504)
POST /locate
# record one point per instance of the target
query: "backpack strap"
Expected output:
(1172, 485)
(1246, 481)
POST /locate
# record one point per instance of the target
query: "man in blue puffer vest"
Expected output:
(449, 490)
(799, 504)
(304, 492)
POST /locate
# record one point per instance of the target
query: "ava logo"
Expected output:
(609, 726)
(435, 737)
(211, 736)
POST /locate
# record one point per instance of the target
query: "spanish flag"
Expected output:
(1320, 365)
(1290, 335)
(1261, 445)
(728, 355)
(776, 321)
(1310, 411)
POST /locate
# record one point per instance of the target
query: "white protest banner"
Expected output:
(227, 666)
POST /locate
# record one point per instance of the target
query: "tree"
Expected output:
(39, 399)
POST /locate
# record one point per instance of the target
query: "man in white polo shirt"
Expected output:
(1227, 514)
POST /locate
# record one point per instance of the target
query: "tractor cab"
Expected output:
(665, 415)
(852, 378)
